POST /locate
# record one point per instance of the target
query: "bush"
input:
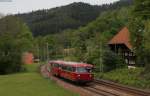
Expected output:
(131, 77)
(10, 56)
(112, 61)
(105, 60)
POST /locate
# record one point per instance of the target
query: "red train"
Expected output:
(74, 71)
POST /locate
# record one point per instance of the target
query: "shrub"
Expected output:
(112, 61)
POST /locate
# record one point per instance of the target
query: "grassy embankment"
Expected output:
(130, 77)
(30, 83)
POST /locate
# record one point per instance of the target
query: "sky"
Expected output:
(22, 6)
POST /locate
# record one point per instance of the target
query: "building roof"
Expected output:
(122, 37)
(69, 63)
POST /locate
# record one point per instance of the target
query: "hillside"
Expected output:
(84, 42)
(55, 20)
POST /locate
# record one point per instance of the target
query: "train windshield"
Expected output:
(82, 70)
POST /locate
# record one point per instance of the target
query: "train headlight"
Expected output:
(78, 75)
(91, 75)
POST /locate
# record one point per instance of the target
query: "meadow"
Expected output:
(30, 83)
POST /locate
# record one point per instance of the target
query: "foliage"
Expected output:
(130, 77)
(147, 49)
(137, 31)
(91, 41)
(112, 61)
(15, 38)
(86, 44)
(139, 28)
(141, 9)
(72, 16)
(47, 47)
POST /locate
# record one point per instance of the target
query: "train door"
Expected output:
(63, 72)
(71, 73)
(55, 69)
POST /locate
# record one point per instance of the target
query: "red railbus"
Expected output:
(74, 71)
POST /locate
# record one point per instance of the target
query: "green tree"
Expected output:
(141, 9)
(15, 38)
(112, 61)
(147, 50)
(139, 28)
(136, 27)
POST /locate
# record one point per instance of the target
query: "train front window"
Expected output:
(81, 70)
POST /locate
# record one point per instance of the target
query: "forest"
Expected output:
(72, 16)
(89, 43)
(78, 32)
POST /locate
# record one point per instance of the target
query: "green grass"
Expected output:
(30, 83)
(130, 77)
(32, 67)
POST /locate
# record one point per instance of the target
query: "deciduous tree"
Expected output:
(15, 38)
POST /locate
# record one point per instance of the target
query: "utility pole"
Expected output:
(38, 54)
(101, 60)
(47, 52)
(43, 53)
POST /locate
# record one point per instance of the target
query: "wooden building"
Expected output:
(121, 45)
(28, 58)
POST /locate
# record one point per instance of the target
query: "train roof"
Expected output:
(74, 64)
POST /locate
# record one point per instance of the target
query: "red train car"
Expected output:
(74, 71)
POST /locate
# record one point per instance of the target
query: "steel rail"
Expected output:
(99, 91)
(130, 90)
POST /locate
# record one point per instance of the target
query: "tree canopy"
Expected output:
(139, 28)
(72, 16)
(15, 38)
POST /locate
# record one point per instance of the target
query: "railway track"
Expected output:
(118, 87)
(107, 88)
(99, 92)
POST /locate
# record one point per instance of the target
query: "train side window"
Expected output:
(60, 66)
(73, 69)
(69, 68)
(56, 65)
(64, 67)
(81, 69)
